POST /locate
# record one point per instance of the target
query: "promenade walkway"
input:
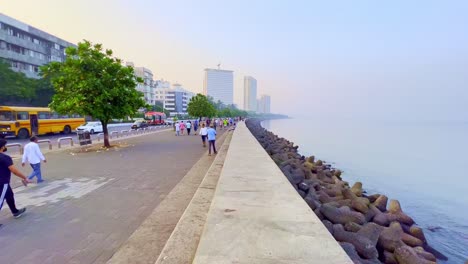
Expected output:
(92, 202)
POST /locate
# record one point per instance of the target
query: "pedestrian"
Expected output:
(204, 134)
(6, 193)
(33, 155)
(195, 126)
(215, 124)
(182, 127)
(189, 127)
(211, 140)
(177, 129)
(225, 123)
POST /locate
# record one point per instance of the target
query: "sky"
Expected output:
(395, 60)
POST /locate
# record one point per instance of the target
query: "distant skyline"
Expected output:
(352, 59)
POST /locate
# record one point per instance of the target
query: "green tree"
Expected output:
(15, 87)
(92, 82)
(226, 112)
(199, 106)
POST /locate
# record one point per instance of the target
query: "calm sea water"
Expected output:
(423, 165)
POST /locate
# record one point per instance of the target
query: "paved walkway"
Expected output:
(92, 202)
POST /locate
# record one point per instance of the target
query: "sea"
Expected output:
(424, 165)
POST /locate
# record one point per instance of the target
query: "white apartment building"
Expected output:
(175, 99)
(219, 84)
(148, 86)
(263, 106)
(250, 93)
(26, 48)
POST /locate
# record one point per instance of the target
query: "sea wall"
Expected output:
(370, 227)
(257, 217)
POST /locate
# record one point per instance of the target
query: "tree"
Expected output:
(92, 82)
(199, 106)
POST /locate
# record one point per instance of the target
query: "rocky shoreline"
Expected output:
(369, 227)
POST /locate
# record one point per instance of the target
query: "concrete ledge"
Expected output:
(257, 217)
(182, 245)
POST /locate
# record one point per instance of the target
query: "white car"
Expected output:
(91, 127)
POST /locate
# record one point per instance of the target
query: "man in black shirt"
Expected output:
(6, 193)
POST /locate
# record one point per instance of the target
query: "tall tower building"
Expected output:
(250, 93)
(219, 84)
(264, 104)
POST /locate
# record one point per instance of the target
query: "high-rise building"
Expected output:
(148, 86)
(219, 84)
(174, 99)
(264, 104)
(250, 93)
(26, 48)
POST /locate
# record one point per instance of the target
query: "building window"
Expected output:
(56, 46)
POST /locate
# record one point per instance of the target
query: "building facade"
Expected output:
(264, 104)
(174, 99)
(250, 93)
(148, 87)
(26, 48)
(219, 84)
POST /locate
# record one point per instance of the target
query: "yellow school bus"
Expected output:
(23, 122)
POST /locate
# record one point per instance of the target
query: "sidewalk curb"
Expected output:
(183, 242)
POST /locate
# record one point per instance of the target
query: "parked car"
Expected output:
(91, 127)
(139, 124)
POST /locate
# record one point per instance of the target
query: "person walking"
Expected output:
(215, 123)
(177, 129)
(204, 134)
(195, 127)
(211, 140)
(182, 127)
(33, 155)
(189, 127)
(6, 193)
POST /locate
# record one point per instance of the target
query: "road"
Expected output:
(54, 137)
(93, 201)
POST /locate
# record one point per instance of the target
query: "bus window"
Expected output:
(54, 115)
(44, 115)
(6, 116)
(22, 115)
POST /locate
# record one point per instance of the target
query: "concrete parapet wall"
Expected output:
(257, 217)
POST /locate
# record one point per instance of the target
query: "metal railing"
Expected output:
(99, 136)
(124, 132)
(59, 141)
(45, 141)
(20, 146)
(114, 133)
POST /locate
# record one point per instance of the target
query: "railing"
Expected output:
(124, 132)
(114, 133)
(99, 136)
(20, 146)
(59, 141)
(45, 141)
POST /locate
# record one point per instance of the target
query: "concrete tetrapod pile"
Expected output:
(369, 227)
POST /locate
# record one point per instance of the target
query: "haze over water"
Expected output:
(424, 165)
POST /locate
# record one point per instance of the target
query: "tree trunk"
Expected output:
(106, 134)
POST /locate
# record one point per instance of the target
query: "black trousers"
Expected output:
(212, 144)
(188, 131)
(7, 194)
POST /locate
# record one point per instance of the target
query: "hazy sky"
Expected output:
(360, 59)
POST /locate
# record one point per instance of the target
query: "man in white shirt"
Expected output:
(33, 155)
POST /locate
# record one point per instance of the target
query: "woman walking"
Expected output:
(203, 133)
(182, 127)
